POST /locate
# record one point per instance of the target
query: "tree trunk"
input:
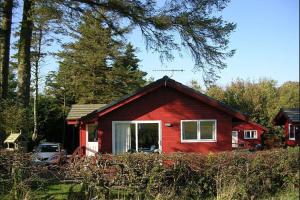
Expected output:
(5, 46)
(24, 68)
(36, 74)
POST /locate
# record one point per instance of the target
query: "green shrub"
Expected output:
(228, 175)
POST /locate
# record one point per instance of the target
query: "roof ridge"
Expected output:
(164, 81)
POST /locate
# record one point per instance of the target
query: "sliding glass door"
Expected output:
(136, 136)
(122, 137)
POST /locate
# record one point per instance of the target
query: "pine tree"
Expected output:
(5, 33)
(24, 66)
(97, 67)
(44, 17)
(125, 76)
(202, 30)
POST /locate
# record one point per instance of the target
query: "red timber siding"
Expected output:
(82, 135)
(241, 127)
(71, 122)
(169, 106)
(286, 133)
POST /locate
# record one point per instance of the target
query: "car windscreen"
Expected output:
(48, 148)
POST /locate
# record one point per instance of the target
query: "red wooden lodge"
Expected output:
(164, 116)
(290, 120)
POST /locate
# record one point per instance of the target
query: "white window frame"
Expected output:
(87, 132)
(198, 131)
(292, 138)
(136, 122)
(250, 138)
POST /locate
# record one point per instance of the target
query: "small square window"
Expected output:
(198, 130)
(189, 130)
(250, 134)
(207, 129)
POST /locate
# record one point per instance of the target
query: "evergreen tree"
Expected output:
(198, 24)
(24, 66)
(5, 33)
(44, 17)
(125, 76)
(97, 68)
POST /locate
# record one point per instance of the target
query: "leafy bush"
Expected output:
(227, 175)
(14, 118)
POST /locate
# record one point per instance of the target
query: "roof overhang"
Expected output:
(285, 115)
(165, 82)
(79, 110)
(12, 138)
(279, 118)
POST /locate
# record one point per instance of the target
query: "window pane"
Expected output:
(189, 130)
(246, 134)
(254, 134)
(251, 134)
(122, 137)
(292, 132)
(207, 129)
(92, 133)
(132, 138)
(147, 136)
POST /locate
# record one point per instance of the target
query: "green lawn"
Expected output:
(58, 191)
(62, 191)
(286, 195)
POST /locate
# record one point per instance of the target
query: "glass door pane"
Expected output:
(147, 137)
(122, 137)
(92, 133)
(132, 138)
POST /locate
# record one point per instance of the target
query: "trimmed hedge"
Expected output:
(228, 175)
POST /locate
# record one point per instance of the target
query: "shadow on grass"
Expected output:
(57, 191)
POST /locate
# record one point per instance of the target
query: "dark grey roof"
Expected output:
(79, 110)
(292, 114)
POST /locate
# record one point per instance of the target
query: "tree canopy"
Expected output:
(261, 100)
(176, 24)
(97, 67)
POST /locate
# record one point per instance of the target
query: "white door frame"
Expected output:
(136, 131)
(93, 144)
(237, 139)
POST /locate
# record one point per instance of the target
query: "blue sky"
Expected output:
(266, 41)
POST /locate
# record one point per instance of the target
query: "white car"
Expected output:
(49, 153)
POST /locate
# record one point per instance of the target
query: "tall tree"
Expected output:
(24, 55)
(125, 76)
(44, 17)
(289, 95)
(82, 70)
(199, 25)
(97, 67)
(258, 100)
(5, 33)
(195, 85)
(216, 92)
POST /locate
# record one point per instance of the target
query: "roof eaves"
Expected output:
(283, 112)
(170, 82)
(124, 98)
(231, 109)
